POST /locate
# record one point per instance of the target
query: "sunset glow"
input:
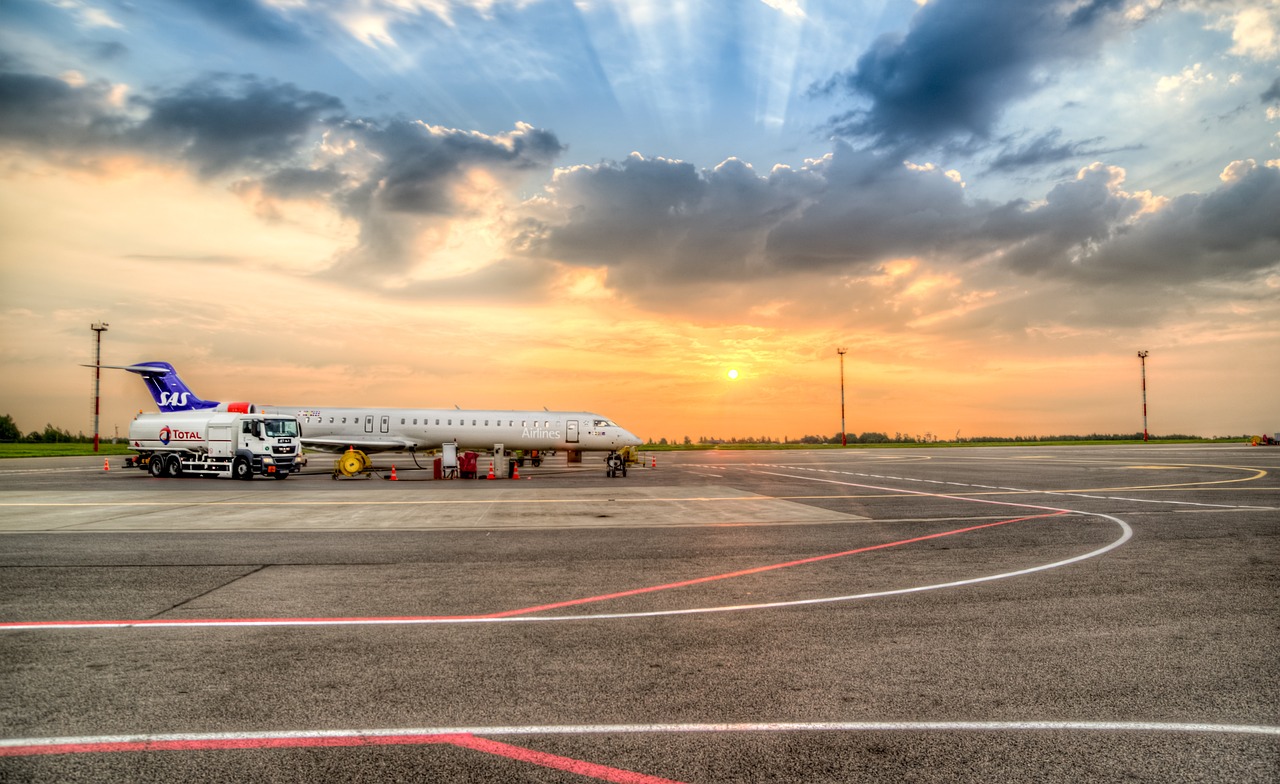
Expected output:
(517, 204)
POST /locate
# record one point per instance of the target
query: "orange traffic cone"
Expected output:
(491, 469)
(655, 461)
(393, 473)
(515, 470)
(106, 465)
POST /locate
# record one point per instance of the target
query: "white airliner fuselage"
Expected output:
(405, 429)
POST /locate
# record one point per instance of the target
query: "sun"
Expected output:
(733, 373)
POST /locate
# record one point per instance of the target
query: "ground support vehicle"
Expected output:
(241, 444)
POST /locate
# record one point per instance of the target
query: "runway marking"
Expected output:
(471, 737)
(1000, 490)
(756, 570)
(226, 741)
(524, 615)
(525, 612)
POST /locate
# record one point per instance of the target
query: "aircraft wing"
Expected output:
(367, 444)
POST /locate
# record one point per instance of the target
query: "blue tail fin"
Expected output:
(166, 388)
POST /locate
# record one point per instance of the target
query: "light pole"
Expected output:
(1142, 356)
(844, 438)
(98, 329)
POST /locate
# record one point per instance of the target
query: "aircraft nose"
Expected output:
(630, 439)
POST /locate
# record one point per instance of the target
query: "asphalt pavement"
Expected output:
(978, 614)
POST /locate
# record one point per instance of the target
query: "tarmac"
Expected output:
(1020, 613)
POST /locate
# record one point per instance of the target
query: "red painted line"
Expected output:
(759, 569)
(581, 768)
(525, 610)
(462, 740)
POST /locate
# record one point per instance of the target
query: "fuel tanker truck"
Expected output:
(232, 439)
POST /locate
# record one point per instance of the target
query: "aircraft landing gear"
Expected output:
(617, 466)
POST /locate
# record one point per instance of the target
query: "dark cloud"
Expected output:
(658, 220)
(655, 222)
(47, 112)
(302, 183)
(417, 159)
(871, 210)
(1228, 234)
(397, 178)
(218, 124)
(414, 183)
(658, 226)
(960, 63)
(107, 51)
(233, 122)
(1046, 149)
(247, 19)
(1272, 95)
(1091, 231)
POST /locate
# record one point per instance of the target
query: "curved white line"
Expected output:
(1126, 534)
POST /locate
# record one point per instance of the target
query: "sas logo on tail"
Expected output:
(174, 398)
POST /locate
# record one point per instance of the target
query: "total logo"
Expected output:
(168, 434)
(174, 398)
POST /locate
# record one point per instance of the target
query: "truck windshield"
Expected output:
(277, 428)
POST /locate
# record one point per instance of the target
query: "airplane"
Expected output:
(371, 430)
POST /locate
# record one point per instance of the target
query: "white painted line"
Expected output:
(666, 728)
(1125, 535)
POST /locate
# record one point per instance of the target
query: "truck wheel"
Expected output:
(155, 466)
(173, 467)
(240, 469)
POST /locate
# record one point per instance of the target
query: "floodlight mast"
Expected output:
(98, 329)
(1142, 356)
(844, 437)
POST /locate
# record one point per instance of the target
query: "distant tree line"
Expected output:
(873, 437)
(10, 432)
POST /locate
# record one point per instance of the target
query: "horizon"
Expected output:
(609, 206)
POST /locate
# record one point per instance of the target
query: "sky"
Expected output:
(992, 205)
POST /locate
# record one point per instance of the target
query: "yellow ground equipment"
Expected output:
(352, 463)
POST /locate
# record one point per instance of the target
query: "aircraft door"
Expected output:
(571, 433)
(368, 424)
(386, 424)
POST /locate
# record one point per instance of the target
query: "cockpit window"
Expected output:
(604, 423)
(277, 428)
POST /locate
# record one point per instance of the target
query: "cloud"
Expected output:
(229, 122)
(415, 159)
(412, 180)
(960, 63)
(658, 224)
(660, 220)
(248, 19)
(218, 124)
(107, 51)
(1048, 148)
(399, 179)
(664, 231)
(46, 112)
(1255, 31)
(1090, 230)
(1272, 94)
